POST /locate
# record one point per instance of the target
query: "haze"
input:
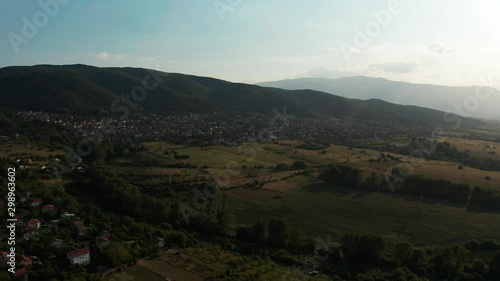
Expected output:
(454, 44)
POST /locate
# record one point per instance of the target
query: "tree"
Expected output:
(116, 255)
(476, 196)
(342, 175)
(403, 253)
(374, 181)
(479, 267)
(362, 249)
(494, 271)
(260, 231)
(279, 233)
(448, 261)
(298, 165)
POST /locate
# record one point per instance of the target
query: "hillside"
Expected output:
(85, 89)
(441, 98)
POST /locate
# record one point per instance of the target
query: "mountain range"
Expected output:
(83, 89)
(482, 104)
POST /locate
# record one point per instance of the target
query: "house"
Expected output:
(104, 234)
(3, 258)
(24, 261)
(30, 232)
(80, 228)
(66, 215)
(56, 243)
(79, 257)
(314, 272)
(157, 242)
(36, 202)
(102, 242)
(50, 209)
(103, 239)
(32, 228)
(34, 223)
(21, 272)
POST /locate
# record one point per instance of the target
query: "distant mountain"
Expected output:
(441, 98)
(82, 89)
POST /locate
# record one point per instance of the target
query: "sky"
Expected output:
(449, 42)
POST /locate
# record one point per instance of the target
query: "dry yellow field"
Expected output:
(252, 194)
(477, 148)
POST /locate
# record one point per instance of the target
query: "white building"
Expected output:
(79, 257)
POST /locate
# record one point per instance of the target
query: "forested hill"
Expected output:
(82, 89)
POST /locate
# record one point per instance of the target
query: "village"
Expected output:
(43, 224)
(228, 128)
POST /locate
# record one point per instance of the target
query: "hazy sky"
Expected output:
(442, 42)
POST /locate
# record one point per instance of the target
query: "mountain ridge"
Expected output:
(439, 97)
(83, 89)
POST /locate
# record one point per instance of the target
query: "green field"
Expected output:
(225, 159)
(135, 273)
(320, 211)
(200, 263)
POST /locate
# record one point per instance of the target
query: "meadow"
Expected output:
(323, 211)
(320, 210)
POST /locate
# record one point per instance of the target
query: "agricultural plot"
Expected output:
(321, 210)
(167, 270)
(11, 150)
(211, 262)
(225, 163)
(135, 273)
(477, 148)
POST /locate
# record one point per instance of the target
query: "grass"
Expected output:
(258, 195)
(450, 171)
(224, 161)
(169, 271)
(135, 273)
(477, 148)
(218, 156)
(320, 210)
(213, 262)
(7, 150)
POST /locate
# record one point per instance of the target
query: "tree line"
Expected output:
(416, 185)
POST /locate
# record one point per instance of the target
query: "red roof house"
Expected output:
(79, 256)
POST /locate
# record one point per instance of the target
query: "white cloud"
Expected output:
(102, 56)
(147, 59)
(440, 48)
(397, 67)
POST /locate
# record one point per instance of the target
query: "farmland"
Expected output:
(322, 210)
(279, 180)
(229, 160)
